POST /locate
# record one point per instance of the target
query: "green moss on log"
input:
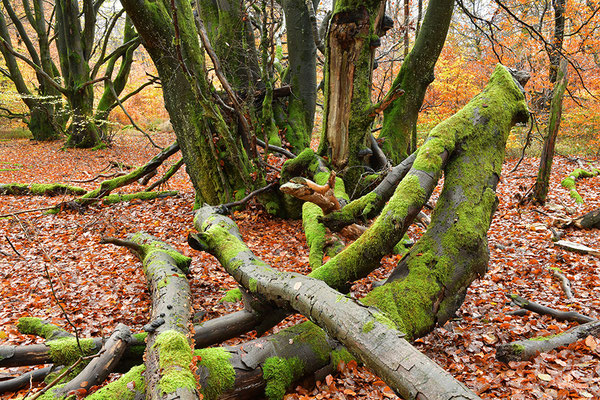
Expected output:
(124, 388)
(280, 373)
(35, 326)
(569, 182)
(174, 359)
(232, 296)
(221, 375)
(145, 196)
(65, 351)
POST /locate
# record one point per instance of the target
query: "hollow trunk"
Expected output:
(348, 110)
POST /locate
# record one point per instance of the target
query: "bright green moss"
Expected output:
(35, 326)
(569, 182)
(221, 373)
(124, 388)
(65, 351)
(518, 348)
(232, 296)
(280, 373)
(368, 327)
(310, 334)
(174, 359)
(315, 233)
(253, 285)
(341, 355)
(118, 198)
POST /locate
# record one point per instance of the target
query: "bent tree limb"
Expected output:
(168, 354)
(569, 182)
(98, 369)
(525, 350)
(491, 113)
(364, 331)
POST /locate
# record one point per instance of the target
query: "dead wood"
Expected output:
(524, 350)
(543, 310)
(577, 247)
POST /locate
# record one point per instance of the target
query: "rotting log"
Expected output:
(589, 220)
(145, 196)
(40, 189)
(19, 382)
(525, 350)
(168, 355)
(363, 330)
(491, 113)
(98, 369)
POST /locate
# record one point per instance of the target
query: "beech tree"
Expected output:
(84, 58)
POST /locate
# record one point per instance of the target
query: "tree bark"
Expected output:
(589, 220)
(168, 354)
(543, 178)
(414, 77)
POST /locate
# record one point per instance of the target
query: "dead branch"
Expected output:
(543, 310)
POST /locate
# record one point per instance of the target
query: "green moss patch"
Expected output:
(280, 373)
(221, 373)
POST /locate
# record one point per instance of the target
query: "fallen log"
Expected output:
(170, 172)
(525, 350)
(40, 189)
(168, 355)
(98, 369)
(543, 310)
(24, 380)
(589, 220)
(364, 331)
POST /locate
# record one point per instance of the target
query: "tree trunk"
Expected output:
(217, 165)
(301, 75)
(348, 111)
(589, 220)
(543, 178)
(416, 73)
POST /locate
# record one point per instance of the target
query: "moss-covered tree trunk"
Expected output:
(543, 178)
(216, 163)
(348, 112)
(74, 52)
(415, 75)
(43, 122)
(298, 116)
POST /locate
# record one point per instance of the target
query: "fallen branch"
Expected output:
(543, 310)
(569, 182)
(40, 189)
(170, 172)
(524, 350)
(577, 247)
(98, 369)
(19, 382)
(589, 220)
(565, 284)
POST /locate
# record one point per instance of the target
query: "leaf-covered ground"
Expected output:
(102, 285)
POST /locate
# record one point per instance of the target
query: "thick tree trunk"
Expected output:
(301, 75)
(217, 165)
(543, 179)
(416, 73)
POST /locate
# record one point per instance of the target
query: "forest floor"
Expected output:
(101, 285)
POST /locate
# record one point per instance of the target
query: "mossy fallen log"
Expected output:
(569, 182)
(40, 189)
(118, 198)
(168, 355)
(525, 350)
